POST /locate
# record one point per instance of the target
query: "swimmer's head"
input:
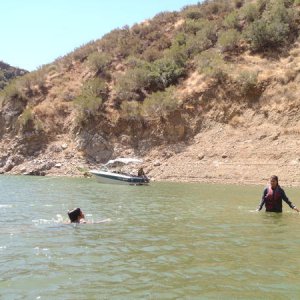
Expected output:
(75, 215)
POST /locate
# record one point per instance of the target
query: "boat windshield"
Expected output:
(124, 161)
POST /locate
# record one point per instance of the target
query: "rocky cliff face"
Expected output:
(192, 111)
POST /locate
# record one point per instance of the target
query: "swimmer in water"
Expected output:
(76, 216)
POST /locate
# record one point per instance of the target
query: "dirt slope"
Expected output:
(231, 130)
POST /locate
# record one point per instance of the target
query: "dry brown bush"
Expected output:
(45, 111)
(292, 130)
(131, 109)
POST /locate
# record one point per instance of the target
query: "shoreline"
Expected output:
(232, 160)
(214, 181)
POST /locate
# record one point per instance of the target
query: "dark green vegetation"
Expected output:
(8, 73)
(134, 72)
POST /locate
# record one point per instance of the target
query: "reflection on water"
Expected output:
(165, 241)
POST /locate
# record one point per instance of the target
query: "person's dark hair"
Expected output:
(274, 177)
(74, 214)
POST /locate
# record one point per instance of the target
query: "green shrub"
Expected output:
(211, 64)
(239, 3)
(232, 21)
(81, 53)
(137, 40)
(208, 8)
(165, 17)
(262, 4)
(151, 54)
(131, 109)
(53, 69)
(128, 44)
(35, 82)
(165, 72)
(297, 2)
(247, 81)
(2, 98)
(178, 53)
(8, 73)
(149, 31)
(288, 3)
(88, 106)
(99, 62)
(27, 121)
(259, 35)
(250, 12)
(193, 26)
(95, 87)
(229, 40)
(39, 76)
(90, 100)
(3, 79)
(179, 39)
(278, 10)
(135, 62)
(13, 92)
(204, 38)
(155, 50)
(120, 42)
(216, 7)
(196, 45)
(159, 104)
(207, 28)
(26, 117)
(264, 35)
(193, 12)
(130, 85)
(134, 84)
(273, 29)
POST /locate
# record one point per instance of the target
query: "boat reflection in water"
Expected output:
(105, 175)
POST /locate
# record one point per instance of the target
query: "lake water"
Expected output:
(164, 241)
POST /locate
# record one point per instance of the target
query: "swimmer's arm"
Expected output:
(289, 203)
(262, 202)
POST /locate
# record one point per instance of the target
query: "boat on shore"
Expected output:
(105, 175)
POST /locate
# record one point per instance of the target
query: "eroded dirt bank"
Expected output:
(220, 153)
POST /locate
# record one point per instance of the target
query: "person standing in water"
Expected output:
(272, 197)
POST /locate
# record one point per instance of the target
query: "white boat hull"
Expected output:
(116, 178)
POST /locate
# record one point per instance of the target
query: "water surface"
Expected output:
(164, 241)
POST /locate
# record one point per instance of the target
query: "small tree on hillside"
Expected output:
(273, 29)
(211, 64)
(159, 104)
(229, 40)
(99, 62)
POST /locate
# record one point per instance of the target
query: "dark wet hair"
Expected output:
(274, 177)
(74, 214)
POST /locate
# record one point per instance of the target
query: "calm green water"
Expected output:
(165, 241)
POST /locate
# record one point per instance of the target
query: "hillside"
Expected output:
(8, 73)
(209, 94)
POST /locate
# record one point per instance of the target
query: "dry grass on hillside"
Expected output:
(167, 84)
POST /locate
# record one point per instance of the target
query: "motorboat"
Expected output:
(106, 175)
